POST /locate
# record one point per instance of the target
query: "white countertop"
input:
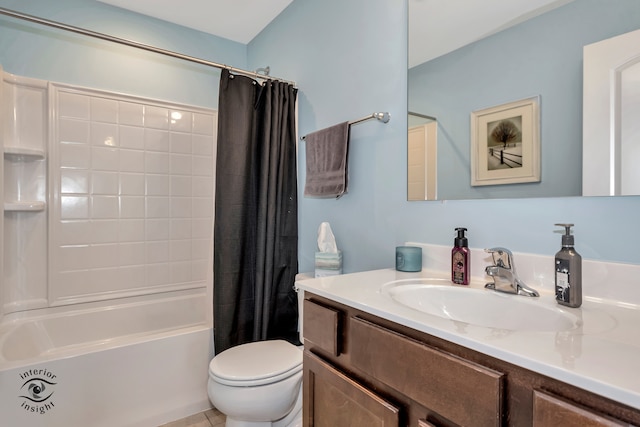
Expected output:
(602, 355)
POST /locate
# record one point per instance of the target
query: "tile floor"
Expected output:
(210, 418)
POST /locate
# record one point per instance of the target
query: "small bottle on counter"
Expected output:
(460, 258)
(568, 267)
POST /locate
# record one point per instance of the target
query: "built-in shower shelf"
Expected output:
(23, 154)
(24, 206)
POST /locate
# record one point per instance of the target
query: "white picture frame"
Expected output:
(505, 143)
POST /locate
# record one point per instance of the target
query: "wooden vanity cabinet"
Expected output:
(463, 392)
(551, 411)
(361, 370)
(334, 399)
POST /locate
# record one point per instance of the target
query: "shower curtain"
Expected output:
(256, 218)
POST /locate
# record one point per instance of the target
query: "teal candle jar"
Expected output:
(408, 258)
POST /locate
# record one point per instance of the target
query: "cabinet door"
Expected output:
(331, 399)
(322, 327)
(551, 411)
(461, 391)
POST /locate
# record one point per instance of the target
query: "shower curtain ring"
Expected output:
(264, 71)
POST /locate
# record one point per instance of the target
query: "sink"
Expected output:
(480, 307)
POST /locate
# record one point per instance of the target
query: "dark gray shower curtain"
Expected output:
(256, 213)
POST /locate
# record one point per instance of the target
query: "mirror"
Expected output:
(610, 115)
(510, 55)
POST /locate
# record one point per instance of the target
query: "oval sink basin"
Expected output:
(480, 307)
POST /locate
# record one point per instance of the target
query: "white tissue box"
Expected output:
(328, 264)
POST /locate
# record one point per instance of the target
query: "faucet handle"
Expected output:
(502, 257)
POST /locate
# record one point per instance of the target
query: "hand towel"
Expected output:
(327, 161)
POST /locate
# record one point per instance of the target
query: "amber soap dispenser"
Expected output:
(460, 258)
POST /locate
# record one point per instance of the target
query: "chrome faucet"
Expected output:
(503, 271)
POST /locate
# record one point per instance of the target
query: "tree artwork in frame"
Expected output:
(505, 143)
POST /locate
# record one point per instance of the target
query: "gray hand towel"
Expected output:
(327, 161)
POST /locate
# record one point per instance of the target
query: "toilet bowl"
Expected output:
(258, 384)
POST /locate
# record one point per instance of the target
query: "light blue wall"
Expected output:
(42, 52)
(542, 56)
(349, 59)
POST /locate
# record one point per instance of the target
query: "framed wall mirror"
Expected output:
(469, 56)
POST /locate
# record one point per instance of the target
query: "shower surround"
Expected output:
(107, 256)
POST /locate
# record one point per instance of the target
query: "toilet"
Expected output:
(259, 384)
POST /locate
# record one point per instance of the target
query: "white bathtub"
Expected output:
(135, 362)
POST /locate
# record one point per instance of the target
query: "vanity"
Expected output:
(377, 354)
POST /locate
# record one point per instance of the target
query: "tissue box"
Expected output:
(328, 264)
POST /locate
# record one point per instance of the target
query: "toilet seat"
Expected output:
(256, 363)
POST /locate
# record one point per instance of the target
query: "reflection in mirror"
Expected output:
(611, 135)
(539, 53)
(422, 152)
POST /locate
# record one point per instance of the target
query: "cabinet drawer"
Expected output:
(322, 326)
(551, 411)
(461, 391)
(331, 399)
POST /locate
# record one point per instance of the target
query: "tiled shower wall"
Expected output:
(131, 195)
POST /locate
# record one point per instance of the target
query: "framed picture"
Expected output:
(505, 143)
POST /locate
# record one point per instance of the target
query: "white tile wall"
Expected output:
(133, 199)
(73, 105)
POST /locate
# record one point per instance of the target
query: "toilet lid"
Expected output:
(256, 363)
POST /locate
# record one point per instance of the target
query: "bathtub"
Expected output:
(134, 362)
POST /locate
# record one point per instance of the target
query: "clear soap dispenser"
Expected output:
(568, 265)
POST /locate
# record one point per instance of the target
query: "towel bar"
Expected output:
(383, 117)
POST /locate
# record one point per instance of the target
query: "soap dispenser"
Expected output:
(568, 265)
(460, 258)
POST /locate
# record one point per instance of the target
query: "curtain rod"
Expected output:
(424, 116)
(131, 43)
(383, 117)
